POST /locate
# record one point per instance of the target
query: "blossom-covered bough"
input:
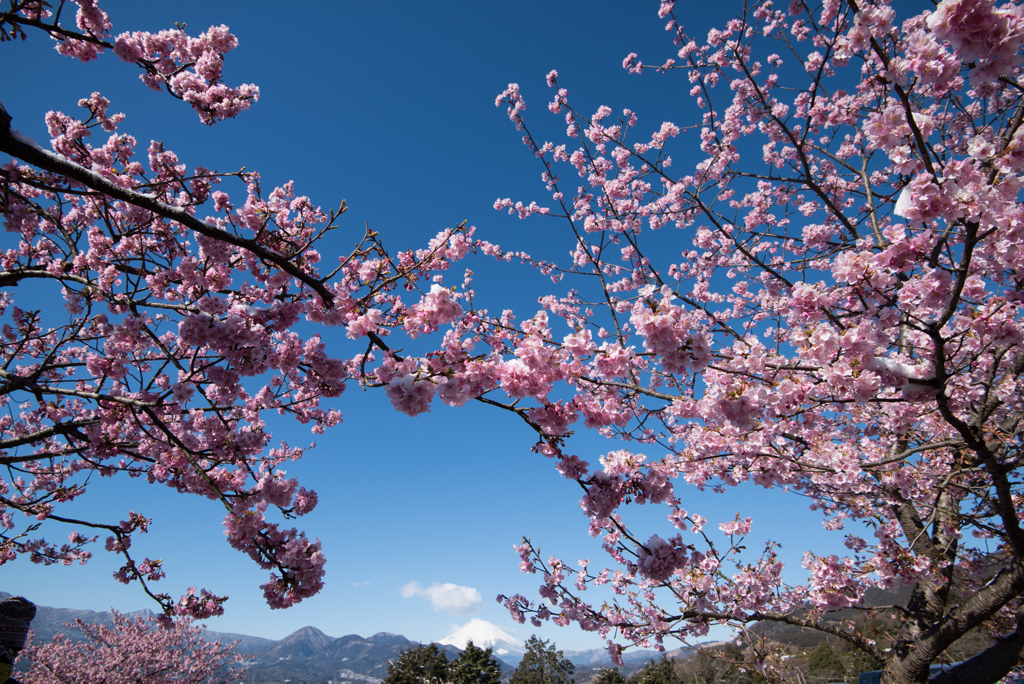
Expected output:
(151, 321)
(826, 300)
(841, 318)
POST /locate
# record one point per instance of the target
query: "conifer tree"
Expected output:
(543, 664)
(419, 665)
(475, 666)
(824, 662)
(656, 672)
(610, 675)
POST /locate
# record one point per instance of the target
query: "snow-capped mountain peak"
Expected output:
(484, 634)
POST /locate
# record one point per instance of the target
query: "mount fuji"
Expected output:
(484, 634)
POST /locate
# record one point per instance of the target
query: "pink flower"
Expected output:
(410, 395)
(924, 200)
(612, 362)
(658, 559)
(364, 324)
(437, 308)
(736, 527)
(982, 34)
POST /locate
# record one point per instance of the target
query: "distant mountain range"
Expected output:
(510, 650)
(312, 656)
(308, 655)
(49, 621)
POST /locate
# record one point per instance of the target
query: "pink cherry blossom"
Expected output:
(132, 650)
(812, 285)
(410, 395)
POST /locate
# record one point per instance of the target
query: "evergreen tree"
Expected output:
(656, 672)
(475, 666)
(419, 665)
(610, 675)
(824, 662)
(542, 664)
(857, 661)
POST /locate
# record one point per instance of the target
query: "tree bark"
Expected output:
(991, 665)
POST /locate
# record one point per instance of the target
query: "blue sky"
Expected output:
(389, 106)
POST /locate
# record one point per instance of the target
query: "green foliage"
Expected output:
(824, 662)
(419, 665)
(609, 675)
(859, 661)
(475, 666)
(542, 664)
(656, 672)
(735, 667)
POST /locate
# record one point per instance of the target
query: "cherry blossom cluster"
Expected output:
(132, 650)
(192, 311)
(826, 299)
(838, 313)
(190, 68)
(988, 37)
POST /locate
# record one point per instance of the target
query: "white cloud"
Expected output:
(447, 597)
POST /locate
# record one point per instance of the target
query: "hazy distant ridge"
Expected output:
(309, 653)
